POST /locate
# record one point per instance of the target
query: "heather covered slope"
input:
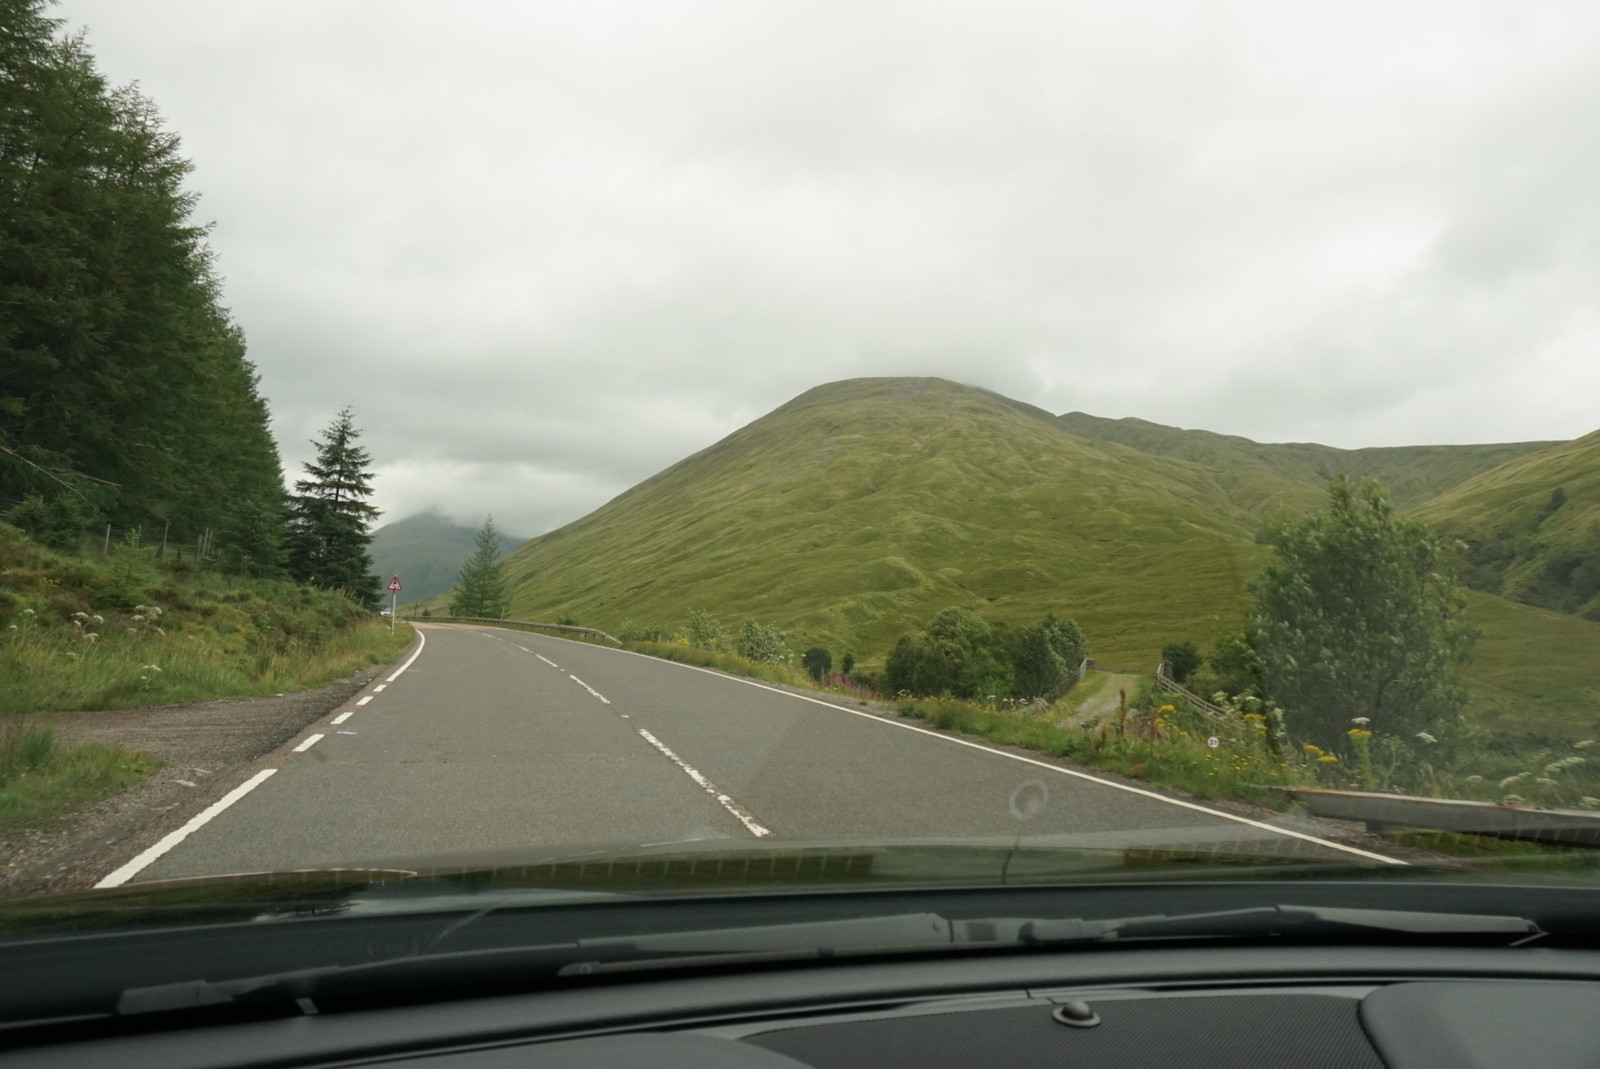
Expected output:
(1290, 475)
(854, 512)
(1532, 526)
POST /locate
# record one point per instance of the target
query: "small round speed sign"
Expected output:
(1213, 741)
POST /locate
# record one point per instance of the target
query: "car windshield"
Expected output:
(462, 463)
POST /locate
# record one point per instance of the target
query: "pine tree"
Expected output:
(125, 394)
(330, 518)
(481, 588)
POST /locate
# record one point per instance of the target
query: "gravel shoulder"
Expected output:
(208, 748)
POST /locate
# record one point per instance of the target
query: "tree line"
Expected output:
(126, 397)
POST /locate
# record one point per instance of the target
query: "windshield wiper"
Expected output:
(898, 934)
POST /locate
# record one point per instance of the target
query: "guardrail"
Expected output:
(566, 628)
(1381, 812)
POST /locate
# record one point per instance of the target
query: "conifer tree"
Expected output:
(329, 529)
(481, 588)
(125, 395)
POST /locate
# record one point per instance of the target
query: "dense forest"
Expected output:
(125, 394)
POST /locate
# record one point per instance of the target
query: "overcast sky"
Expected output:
(547, 249)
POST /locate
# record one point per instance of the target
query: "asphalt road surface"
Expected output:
(497, 740)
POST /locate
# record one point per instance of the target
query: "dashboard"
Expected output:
(1195, 1007)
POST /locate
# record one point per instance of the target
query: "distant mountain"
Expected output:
(854, 512)
(1532, 527)
(426, 552)
(1290, 475)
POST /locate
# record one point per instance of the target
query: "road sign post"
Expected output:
(394, 589)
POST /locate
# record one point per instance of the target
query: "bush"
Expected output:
(1184, 657)
(703, 629)
(760, 643)
(847, 663)
(817, 662)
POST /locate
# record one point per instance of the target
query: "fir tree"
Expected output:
(125, 394)
(330, 518)
(481, 589)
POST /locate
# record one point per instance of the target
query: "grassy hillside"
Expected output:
(854, 512)
(1533, 526)
(1534, 671)
(1289, 475)
(426, 551)
(97, 632)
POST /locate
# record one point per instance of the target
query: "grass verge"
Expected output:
(41, 778)
(101, 632)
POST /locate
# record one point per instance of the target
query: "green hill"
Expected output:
(426, 551)
(1532, 527)
(854, 512)
(1290, 475)
(850, 515)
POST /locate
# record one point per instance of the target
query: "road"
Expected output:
(497, 740)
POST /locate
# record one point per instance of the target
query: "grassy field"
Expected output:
(99, 632)
(1536, 672)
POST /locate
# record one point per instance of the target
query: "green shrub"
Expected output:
(762, 644)
(817, 662)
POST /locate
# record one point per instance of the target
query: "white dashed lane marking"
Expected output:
(745, 817)
(342, 717)
(590, 689)
(312, 741)
(547, 661)
(363, 701)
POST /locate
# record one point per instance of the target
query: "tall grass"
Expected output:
(104, 632)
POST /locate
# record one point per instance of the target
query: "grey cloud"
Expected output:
(548, 249)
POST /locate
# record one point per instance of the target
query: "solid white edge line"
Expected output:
(743, 815)
(342, 717)
(133, 868)
(304, 746)
(1041, 764)
(1025, 760)
(363, 701)
(422, 640)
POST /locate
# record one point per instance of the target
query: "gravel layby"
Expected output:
(209, 749)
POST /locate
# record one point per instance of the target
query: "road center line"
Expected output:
(745, 817)
(548, 661)
(134, 867)
(312, 741)
(342, 717)
(590, 689)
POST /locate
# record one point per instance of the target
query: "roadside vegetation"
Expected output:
(96, 631)
(101, 632)
(1349, 672)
